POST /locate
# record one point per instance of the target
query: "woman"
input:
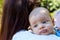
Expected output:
(15, 17)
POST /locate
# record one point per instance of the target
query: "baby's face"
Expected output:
(41, 24)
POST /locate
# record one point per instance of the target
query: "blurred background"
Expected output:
(1, 7)
(51, 5)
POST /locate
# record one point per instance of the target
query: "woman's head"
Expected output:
(15, 17)
(13, 12)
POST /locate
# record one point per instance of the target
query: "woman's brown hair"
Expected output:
(15, 17)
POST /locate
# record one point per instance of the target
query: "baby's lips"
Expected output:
(44, 31)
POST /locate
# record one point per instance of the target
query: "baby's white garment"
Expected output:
(26, 35)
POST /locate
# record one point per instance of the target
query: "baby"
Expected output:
(40, 21)
(41, 26)
(57, 22)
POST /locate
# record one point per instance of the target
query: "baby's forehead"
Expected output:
(39, 11)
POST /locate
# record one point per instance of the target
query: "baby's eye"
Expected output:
(44, 22)
(35, 25)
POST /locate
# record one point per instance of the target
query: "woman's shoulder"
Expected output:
(20, 35)
(26, 35)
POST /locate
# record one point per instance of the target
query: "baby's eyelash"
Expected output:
(35, 25)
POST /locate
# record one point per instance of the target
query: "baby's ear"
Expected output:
(29, 28)
(53, 21)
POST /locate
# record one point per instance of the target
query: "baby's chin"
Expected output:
(40, 33)
(46, 33)
(43, 34)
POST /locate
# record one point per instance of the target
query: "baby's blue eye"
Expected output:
(35, 25)
(44, 22)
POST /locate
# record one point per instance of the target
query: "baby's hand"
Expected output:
(57, 31)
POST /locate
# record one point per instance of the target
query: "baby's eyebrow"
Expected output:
(34, 22)
(45, 19)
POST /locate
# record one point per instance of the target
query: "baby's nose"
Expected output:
(42, 27)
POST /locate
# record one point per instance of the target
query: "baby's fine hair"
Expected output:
(36, 10)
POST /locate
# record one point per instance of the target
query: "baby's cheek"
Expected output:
(50, 29)
(35, 32)
(49, 25)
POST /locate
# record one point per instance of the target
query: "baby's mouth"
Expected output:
(44, 31)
